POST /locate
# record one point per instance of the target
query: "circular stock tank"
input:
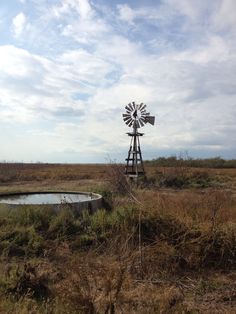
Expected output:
(56, 200)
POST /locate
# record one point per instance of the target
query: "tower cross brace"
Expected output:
(134, 161)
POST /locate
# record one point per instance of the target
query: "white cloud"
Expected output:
(225, 15)
(31, 86)
(192, 9)
(78, 20)
(18, 24)
(126, 13)
(87, 67)
(82, 7)
(71, 94)
(215, 49)
(85, 31)
(16, 62)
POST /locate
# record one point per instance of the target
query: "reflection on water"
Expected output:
(45, 198)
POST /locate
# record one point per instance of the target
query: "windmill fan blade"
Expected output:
(142, 107)
(128, 109)
(130, 123)
(143, 115)
(141, 122)
(125, 115)
(143, 119)
(130, 106)
(150, 119)
(127, 120)
(138, 106)
(133, 104)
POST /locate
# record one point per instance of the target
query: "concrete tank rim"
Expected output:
(96, 195)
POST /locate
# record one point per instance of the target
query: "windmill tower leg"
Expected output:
(140, 158)
(134, 162)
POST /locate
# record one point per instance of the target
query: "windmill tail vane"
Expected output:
(136, 117)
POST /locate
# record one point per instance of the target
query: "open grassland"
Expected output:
(167, 245)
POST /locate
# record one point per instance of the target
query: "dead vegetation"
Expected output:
(152, 250)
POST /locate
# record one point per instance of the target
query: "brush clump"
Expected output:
(148, 250)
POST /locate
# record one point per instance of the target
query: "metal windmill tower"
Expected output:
(136, 117)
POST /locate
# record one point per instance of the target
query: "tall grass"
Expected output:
(61, 262)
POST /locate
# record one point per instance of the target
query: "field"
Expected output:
(164, 245)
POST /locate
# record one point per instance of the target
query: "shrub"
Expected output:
(63, 224)
(31, 216)
(218, 248)
(21, 242)
(174, 161)
(183, 178)
(22, 280)
(118, 181)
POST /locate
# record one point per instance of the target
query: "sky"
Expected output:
(69, 67)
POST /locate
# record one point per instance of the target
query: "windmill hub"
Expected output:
(136, 117)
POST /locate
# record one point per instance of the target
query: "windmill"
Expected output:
(136, 117)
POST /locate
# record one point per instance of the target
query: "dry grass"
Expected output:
(59, 263)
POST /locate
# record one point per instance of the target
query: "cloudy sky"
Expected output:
(68, 68)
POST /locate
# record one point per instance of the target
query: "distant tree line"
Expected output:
(174, 161)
